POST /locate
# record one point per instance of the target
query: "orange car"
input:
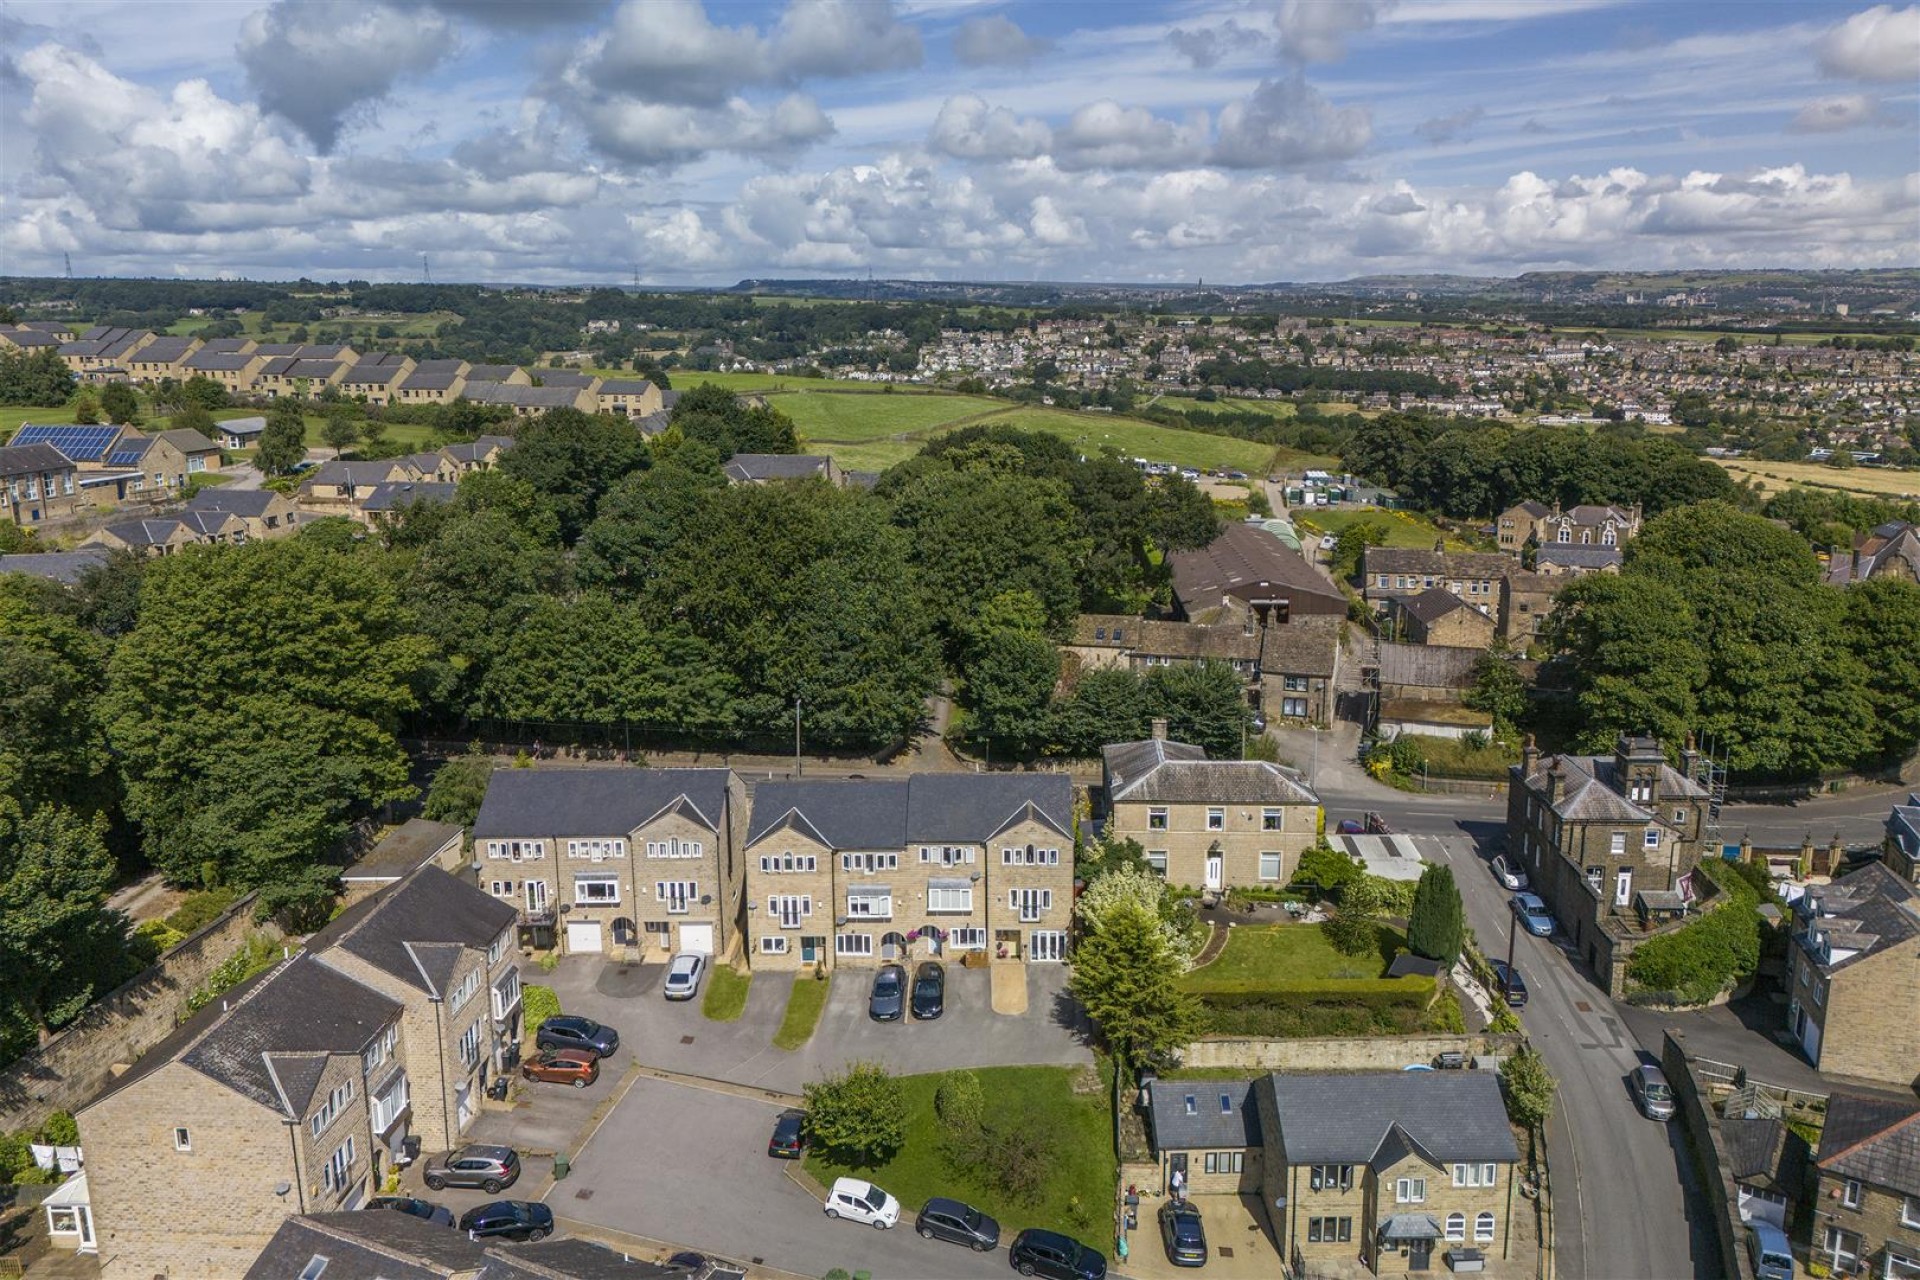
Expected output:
(576, 1067)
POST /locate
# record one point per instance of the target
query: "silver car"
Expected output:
(1509, 875)
(1651, 1092)
(684, 972)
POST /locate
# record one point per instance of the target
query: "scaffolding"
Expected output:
(1710, 772)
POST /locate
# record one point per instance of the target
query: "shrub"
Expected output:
(201, 909)
(858, 1116)
(959, 1101)
(537, 1004)
(1322, 871)
(60, 1130)
(1352, 933)
(1707, 955)
(1413, 991)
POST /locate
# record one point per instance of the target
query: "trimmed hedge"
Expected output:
(1378, 993)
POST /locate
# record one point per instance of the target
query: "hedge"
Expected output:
(1325, 1018)
(1372, 992)
(1709, 955)
(537, 1004)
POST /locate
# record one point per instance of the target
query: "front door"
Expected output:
(85, 1215)
(1216, 874)
(811, 949)
(1420, 1255)
(1623, 888)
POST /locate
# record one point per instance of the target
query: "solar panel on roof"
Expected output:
(74, 441)
(124, 458)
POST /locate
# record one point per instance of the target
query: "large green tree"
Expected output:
(571, 459)
(51, 671)
(1437, 927)
(254, 705)
(858, 1114)
(1124, 976)
(59, 945)
(283, 443)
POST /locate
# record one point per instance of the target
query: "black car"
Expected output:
(1183, 1234)
(957, 1223)
(889, 994)
(1058, 1257)
(788, 1142)
(570, 1032)
(1510, 983)
(508, 1220)
(423, 1209)
(929, 990)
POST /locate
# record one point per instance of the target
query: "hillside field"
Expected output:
(1870, 482)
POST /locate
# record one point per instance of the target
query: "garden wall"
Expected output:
(1710, 1163)
(77, 1062)
(1388, 1053)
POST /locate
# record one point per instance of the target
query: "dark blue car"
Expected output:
(508, 1220)
(570, 1032)
(889, 997)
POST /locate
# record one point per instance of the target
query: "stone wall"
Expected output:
(77, 1062)
(1384, 1053)
(1694, 1111)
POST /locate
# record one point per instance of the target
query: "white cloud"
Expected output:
(996, 41)
(1881, 43)
(1287, 123)
(1454, 125)
(1318, 31)
(968, 129)
(316, 64)
(1107, 135)
(843, 38)
(669, 51)
(1832, 115)
(1206, 47)
(1053, 228)
(662, 133)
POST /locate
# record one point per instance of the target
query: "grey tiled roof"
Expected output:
(1761, 1152)
(1577, 556)
(1863, 913)
(241, 426)
(892, 813)
(1427, 666)
(1431, 606)
(1873, 1140)
(1241, 559)
(599, 802)
(377, 1244)
(625, 387)
(1345, 1119)
(188, 441)
(402, 849)
(164, 349)
(568, 1260)
(1300, 648)
(404, 493)
(843, 813)
(56, 566)
(1191, 1114)
(404, 929)
(775, 466)
(1590, 790)
(1903, 821)
(1154, 771)
(1439, 564)
(240, 502)
(304, 1009)
(21, 459)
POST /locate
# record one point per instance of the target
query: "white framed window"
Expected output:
(869, 862)
(388, 1106)
(1326, 1177)
(786, 863)
(380, 1050)
(1617, 843)
(1216, 819)
(1225, 1161)
(330, 1109)
(1840, 1248)
(957, 899)
(788, 910)
(679, 895)
(1473, 1175)
(598, 850)
(1851, 1194)
(870, 904)
(1270, 866)
(773, 945)
(1031, 904)
(465, 991)
(950, 855)
(598, 889)
(182, 1140)
(1273, 819)
(1640, 790)
(470, 1045)
(1047, 944)
(516, 850)
(1157, 859)
(1156, 819)
(1483, 1228)
(1456, 1226)
(968, 939)
(853, 944)
(1029, 857)
(1652, 839)
(1910, 1211)
(675, 848)
(1410, 1191)
(334, 1177)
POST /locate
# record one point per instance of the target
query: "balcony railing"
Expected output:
(530, 917)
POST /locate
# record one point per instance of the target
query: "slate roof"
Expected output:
(56, 566)
(277, 349)
(1598, 513)
(413, 931)
(401, 850)
(1427, 666)
(592, 802)
(1873, 1140)
(424, 379)
(1105, 630)
(1244, 561)
(892, 813)
(228, 346)
(1591, 791)
(625, 387)
(1438, 564)
(240, 502)
(1300, 648)
(1863, 913)
(490, 373)
(521, 397)
(24, 459)
(1431, 606)
(273, 1042)
(366, 1245)
(164, 349)
(146, 533)
(307, 367)
(207, 360)
(1903, 821)
(748, 467)
(1530, 508)
(1763, 1152)
(188, 441)
(394, 495)
(1576, 556)
(1159, 772)
(335, 471)
(1195, 643)
(241, 426)
(570, 1259)
(1349, 1119)
(1224, 1114)
(475, 452)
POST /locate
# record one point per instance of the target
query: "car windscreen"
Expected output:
(876, 1199)
(886, 985)
(1658, 1092)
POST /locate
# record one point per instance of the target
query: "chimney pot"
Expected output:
(1159, 728)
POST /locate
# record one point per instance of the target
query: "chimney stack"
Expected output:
(1689, 757)
(1529, 758)
(1556, 779)
(1159, 728)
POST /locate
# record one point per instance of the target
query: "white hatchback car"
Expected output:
(684, 972)
(859, 1201)
(1509, 875)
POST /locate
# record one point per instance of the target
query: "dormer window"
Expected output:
(1193, 1104)
(1640, 790)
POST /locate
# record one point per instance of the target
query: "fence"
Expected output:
(77, 1062)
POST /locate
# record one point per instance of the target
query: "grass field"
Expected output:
(13, 417)
(1089, 432)
(1404, 528)
(1289, 953)
(1872, 482)
(1076, 1196)
(254, 325)
(726, 997)
(849, 418)
(803, 1011)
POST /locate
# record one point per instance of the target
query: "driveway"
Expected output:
(678, 1038)
(676, 1162)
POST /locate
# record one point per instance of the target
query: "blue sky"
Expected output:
(585, 140)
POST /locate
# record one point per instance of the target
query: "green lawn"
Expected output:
(726, 997)
(1288, 953)
(13, 417)
(1090, 432)
(852, 418)
(1037, 1099)
(1404, 528)
(803, 1011)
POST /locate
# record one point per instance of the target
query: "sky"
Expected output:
(683, 142)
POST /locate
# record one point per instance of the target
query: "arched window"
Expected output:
(1456, 1226)
(1483, 1228)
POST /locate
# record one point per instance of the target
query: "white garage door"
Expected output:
(697, 937)
(583, 935)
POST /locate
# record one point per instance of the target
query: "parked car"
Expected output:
(570, 1032)
(1509, 875)
(1184, 1235)
(488, 1168)
(1349, 827)
(684, 972)
(859, 1201)
(1651, 1092)
(789, 1140)
(929, 990)
(888, 999)
(508, 1220)
(957, 1223)
(426, 1210)
(1048, 1253)
(576, 1067)
(1769, 1251)
(1532, 914)
(1509, 983)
